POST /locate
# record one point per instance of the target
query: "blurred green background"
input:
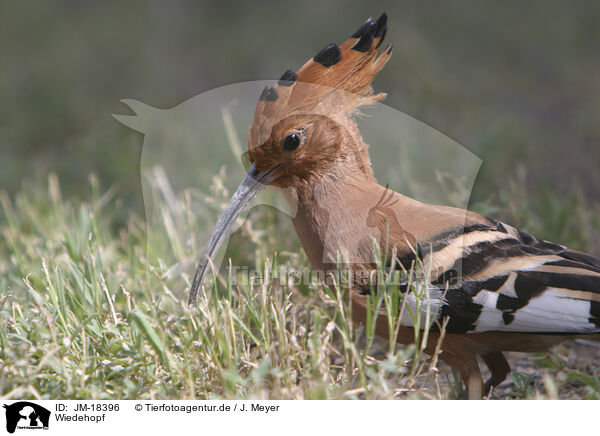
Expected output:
(517, 83)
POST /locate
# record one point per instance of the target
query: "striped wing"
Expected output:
(501, 279)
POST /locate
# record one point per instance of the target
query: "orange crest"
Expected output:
(334, 83)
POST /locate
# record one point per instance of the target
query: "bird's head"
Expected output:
(300, 148)
(303, 128)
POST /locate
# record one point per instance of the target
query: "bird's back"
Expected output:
(495, 277)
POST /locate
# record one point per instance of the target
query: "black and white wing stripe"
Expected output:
(501, 279)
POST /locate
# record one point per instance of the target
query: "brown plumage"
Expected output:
(497, 288)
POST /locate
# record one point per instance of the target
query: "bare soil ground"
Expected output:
(529, 372)
(582, 356)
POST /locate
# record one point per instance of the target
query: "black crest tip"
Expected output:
(381, 28)
(268, 94)
(364, 43)
(381, 22)
(329, 56)
(382, 36)
(288, 78)
(363, 28)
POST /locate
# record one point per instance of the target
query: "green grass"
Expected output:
(89, 311)
(85, 315)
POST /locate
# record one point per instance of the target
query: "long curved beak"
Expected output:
(251, 185)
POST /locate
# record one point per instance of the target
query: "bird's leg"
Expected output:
(469, 371)
(499, 368)
(474, 383)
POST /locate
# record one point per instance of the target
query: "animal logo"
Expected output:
(26, 415)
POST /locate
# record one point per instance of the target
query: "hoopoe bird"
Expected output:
(514, 292)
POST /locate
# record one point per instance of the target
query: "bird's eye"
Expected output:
(291, 142)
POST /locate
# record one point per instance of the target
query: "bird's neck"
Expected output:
(350, 174)
(330, 211)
